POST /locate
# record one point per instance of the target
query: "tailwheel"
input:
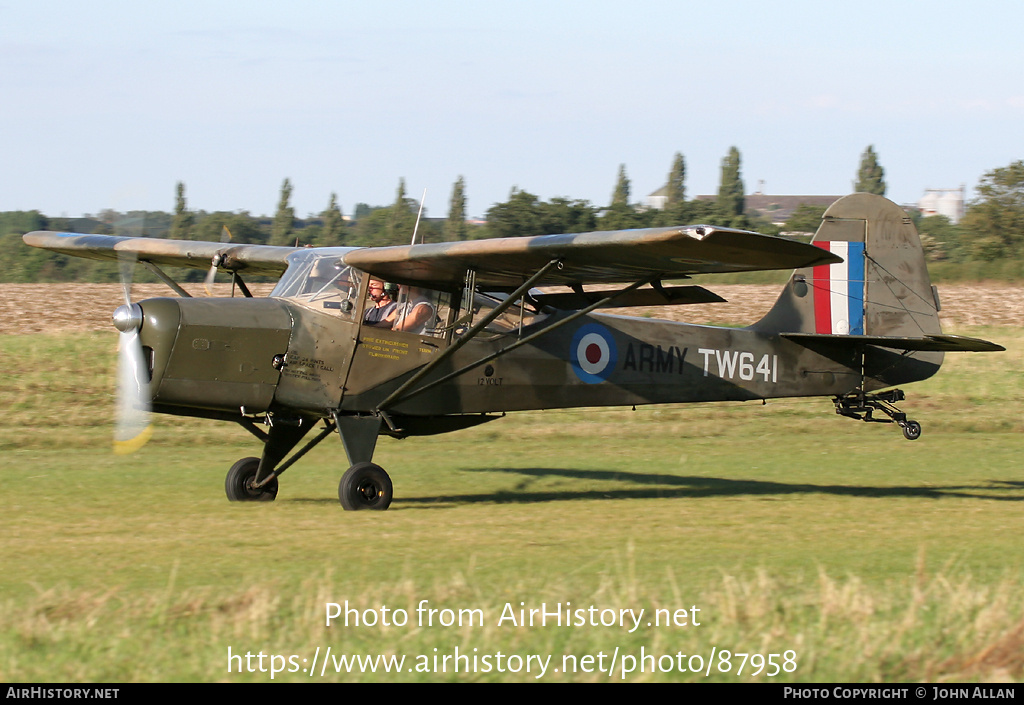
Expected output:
(911, 430)
(859, 405)
(239, 484)
(365, 486)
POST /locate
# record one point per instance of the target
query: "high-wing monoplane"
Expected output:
(472, 336)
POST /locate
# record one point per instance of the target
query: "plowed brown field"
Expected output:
(36, 308)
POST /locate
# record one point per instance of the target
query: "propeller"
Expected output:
(225, 236)
(132, 428)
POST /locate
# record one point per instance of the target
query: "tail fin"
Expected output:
(881, 289)
(877, 309)
(875, 312)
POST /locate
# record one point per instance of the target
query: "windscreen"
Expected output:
(321, 281)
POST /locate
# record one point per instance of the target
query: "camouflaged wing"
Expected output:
(251, 259)
(597, 257)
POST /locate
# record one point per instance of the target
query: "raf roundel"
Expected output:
(593, 353)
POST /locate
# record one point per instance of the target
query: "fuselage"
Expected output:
(250, 356)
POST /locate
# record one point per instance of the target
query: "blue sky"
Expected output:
(109, 104)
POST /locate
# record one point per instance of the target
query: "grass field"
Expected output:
(823, 548)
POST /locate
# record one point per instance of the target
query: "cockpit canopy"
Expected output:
(320, 279)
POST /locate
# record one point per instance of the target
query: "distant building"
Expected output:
(949, 202)
(776, 209)
(658, 199)
(943, 201)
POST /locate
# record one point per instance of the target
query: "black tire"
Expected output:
(238, 484)
(912, 430)
(365, 486)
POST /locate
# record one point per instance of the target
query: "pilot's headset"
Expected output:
(391, 290)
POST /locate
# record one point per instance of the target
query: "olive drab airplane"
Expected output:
(473, 337)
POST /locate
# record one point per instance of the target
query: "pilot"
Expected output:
(383, 295)
(418, 313)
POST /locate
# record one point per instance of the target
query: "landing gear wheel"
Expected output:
(911, 430)
(365, 486)
(238, 483)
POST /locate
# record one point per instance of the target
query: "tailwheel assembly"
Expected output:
(862, 405)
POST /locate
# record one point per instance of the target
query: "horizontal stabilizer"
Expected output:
(668, 296)
(931, 343)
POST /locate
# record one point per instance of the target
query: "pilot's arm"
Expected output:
(416, 319)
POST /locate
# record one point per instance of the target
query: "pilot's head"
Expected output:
(379, 290)
(375, 290)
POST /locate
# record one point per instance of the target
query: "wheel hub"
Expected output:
(368, 491)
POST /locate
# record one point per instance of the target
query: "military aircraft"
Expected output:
(857, 317)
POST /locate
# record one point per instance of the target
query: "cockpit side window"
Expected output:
(516, 317)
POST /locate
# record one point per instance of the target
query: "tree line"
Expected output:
(991, 231)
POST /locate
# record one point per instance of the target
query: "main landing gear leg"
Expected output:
(364, 485)
(860, 405)
(255, 479)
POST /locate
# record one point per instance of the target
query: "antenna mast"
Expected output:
(418, 214)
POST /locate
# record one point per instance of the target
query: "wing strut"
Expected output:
(391, 400)
(467, 336)
(166, 279)
(237, 279)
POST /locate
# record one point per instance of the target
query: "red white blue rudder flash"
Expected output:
(593, 353)
(839, 290)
